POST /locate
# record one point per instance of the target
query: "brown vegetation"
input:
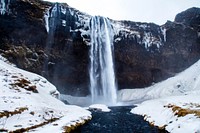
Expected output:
(161, 128)
(181, 112)
(21, 130)
(69, 129)
(11, 113)
(24, 83)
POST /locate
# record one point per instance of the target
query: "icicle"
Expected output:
(63, 10)
(4, 6)
(46, 17)
(164, 33)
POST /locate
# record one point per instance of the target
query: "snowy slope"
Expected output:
(27, 103)
(186, 82)
(160, 112)
(176, 104)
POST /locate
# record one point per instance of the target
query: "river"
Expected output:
(119, 120)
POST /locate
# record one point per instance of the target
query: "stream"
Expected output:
(118, 120)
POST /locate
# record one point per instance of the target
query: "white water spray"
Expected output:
(102, 76)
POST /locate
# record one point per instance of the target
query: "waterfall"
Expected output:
(102, 76)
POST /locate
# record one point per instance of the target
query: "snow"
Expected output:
(186, 82)
(100, 107)
(155, 112)
(140, 32)
(181, 90)
(36, 108)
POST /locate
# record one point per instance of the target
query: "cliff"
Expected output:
(53, 40)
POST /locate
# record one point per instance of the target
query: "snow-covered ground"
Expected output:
(27, 102)
(175, 102)
(160, 112)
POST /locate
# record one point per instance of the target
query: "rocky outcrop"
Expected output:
(190, 17)
(53, 40)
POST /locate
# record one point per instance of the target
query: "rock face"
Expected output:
(139, 65)
(53, 40)
(190, 17)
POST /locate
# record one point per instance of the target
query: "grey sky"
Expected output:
(157, 11)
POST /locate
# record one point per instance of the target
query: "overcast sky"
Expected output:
(157, 11)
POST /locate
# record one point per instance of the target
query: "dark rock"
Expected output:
(190, 17)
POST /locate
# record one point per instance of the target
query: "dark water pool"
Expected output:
(119, 120)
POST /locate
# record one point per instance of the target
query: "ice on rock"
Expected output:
(46, 17)
(164, 33)
(64, 22)
(149, 40)
(71, 12)
(141, 33)
(4, 6)
(63, 10)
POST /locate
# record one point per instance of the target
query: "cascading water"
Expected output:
(102, 76)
